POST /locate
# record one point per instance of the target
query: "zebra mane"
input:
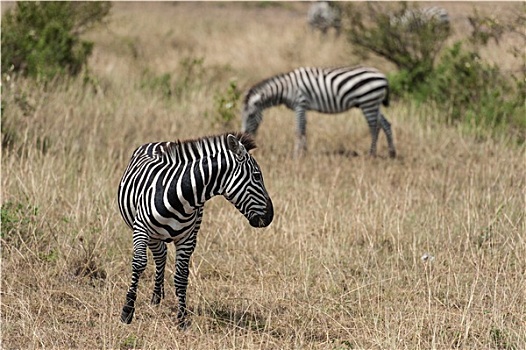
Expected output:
(260, 85)
(245, 138)
(174, 149)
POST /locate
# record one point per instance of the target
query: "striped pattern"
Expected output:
(325, 90)
(161, 198)
(415, 18)
(322, 16)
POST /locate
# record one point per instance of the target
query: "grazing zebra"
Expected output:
(415, 18)
(161, 197)
(323, 16)
(325, 90)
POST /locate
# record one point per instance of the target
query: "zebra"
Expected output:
(325, 90)
(161, 197)
(415, 18)
(322, 16)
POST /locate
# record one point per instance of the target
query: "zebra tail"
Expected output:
(385, 101)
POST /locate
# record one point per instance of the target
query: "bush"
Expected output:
(469, 91)
(226, 105)
(42, 39)
(472, 91)
(455, 80)
(378, 28)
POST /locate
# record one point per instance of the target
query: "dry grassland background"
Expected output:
(339, 268)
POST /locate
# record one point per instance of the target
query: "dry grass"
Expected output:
(339, 268)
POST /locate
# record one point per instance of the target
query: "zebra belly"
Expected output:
(328, 109)
(170, 229)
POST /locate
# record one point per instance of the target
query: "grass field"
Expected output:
(343, 264)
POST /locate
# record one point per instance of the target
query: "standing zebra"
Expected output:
(323, 16)
(325, 90)
(415, 18)
(161, 197)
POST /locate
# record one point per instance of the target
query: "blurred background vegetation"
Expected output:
(451, 77)
(43, 41)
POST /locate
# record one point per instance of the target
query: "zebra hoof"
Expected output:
(127, 314)
(184, 324)
(392, 154)
(156, 299)
(182, 319)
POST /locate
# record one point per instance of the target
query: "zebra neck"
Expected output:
(211, 174)
(273, 98)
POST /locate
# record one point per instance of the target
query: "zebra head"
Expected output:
(252, 112)
(245, 188)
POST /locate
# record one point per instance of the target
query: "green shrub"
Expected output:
(226, 105)
(375, 28)
(471, 92)
(18, 221)
(42, 39)
(455, 79)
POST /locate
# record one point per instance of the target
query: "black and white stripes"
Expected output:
(325, 90)
(322, 16)
(161, 198)
(415, 18)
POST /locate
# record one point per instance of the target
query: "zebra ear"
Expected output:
(235, 146)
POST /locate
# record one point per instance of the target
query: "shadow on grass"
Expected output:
(341, 152)
(223, 316)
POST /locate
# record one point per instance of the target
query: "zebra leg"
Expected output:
(372, 115)
(139, 261)
(386, 127)
(184, 251)
(158, 249)
(301, 127)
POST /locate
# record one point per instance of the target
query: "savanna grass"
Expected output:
(424, 251)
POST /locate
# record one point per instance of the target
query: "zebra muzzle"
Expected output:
(265, 219)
